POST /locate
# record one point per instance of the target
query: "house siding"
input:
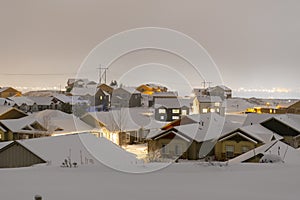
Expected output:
(16, 155)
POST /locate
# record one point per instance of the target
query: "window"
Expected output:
(217, 104)
(204, 110)
(175, 111)
(218, 110)
(245, 149)
(101, 97)
(175, 117)
(184, 112)
(212, 110)
(161, 110)
(178, 150)
(162, 117)
(229, 151)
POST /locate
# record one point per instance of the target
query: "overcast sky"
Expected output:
(255, 43)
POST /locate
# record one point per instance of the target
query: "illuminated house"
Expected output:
(169, 109)
(208, 104)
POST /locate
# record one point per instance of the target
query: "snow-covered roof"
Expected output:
(131, 90)
(53, 121)
(4, 144)
(172, 102)
(292, 121)
(165, 94)
(209, 99)
(58, 122)
(5, 109)
(127, 119)
(257, 131)
(45, 101)
(84, 149)
(220, 86)
(83, 91)
(4, 101)
(275, 147)
(24, 125)
(254, 118)
(208, 127)
(22, 100)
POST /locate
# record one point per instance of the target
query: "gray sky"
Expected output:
(255, 43)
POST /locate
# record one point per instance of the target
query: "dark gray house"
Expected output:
(126, 97)
(102, 100)
(170, 109)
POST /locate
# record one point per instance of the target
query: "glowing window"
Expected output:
(175, 111)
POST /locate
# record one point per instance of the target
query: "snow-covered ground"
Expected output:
(179, 181)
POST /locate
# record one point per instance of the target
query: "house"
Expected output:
(285, 125)
(125, 125)
(42, 124)
(208, 104)
(9, 92)
(23, 103)
(102, 100)
(7, 112)
(169, 109)
(65, 151)
(22, 128)
(190, 140)
(126, 97)
(44, 103)
(221, 90)
(13, 154)
(242, 140)
(156, 95)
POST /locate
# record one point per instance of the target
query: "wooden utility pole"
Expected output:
(101, 76)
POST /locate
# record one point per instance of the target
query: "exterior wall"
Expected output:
(135, 100)
(220, 148)
(102, 100)
(295, 108)
(169, 147)
(168, 116)
(16, 155)
(122, 98)
(187, 150)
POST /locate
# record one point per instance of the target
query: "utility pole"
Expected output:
(101, 75)
(206, 82)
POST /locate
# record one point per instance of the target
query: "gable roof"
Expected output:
(5, 110)
(209, 99)
(172, 102)
(210, 127)
(256, 132)
(83, 91)
(126, 119)
(3, 89)
(83, 148)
